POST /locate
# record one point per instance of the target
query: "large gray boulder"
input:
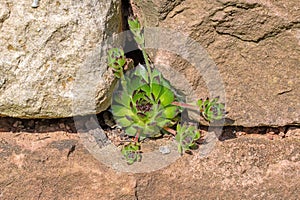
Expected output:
(255, 45)
(43, 49)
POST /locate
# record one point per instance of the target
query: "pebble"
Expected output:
(16, 124)
(35, 4)
(31, 123)
(164, 150)
(293, 132)
(281, 134)
(68, 127)
(62, 126)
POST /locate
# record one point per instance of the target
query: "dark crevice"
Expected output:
(231, 132)
(130, 48)
(126, 13)
(17, 125)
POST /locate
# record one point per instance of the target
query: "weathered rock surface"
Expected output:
(255, 45)
(43, 166)
(56, 166)
(244, 168)
(42, 50)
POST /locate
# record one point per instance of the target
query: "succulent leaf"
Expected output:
(156, 90)
(167, 96)
(124, 122)
(120, 110)
(141, 71)
(134, 24)
(131, 131)
(170, 112)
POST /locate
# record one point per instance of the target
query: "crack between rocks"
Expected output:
(232, 132)
(130, 48)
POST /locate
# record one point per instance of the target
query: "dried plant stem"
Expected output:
(185, 105)
(173, 132)
(136, 138)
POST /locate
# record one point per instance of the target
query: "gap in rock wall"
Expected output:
(19, 126)
(131, 48)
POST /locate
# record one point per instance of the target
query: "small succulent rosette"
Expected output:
(211, 110)
(132, 153)
(186, 137)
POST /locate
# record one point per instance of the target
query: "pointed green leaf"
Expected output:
(199, 102)
(156, 89)
(146, 88)
(124, 122)
(178, 128)
(122, 98)
(163, 123)
(138, 96)
(130, 131)
(139, 39)
(117, 74)
(197, 135)
(156, 73)
(119, 110)
(134, 24)
(167, 97)
(170, 112)
(121, 62)
(178, 137)
(206, 102)
(141, 71)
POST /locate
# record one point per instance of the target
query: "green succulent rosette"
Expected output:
(211, 110)
(131, 153)
(116, 60)
(142, 105)
(186, 137)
